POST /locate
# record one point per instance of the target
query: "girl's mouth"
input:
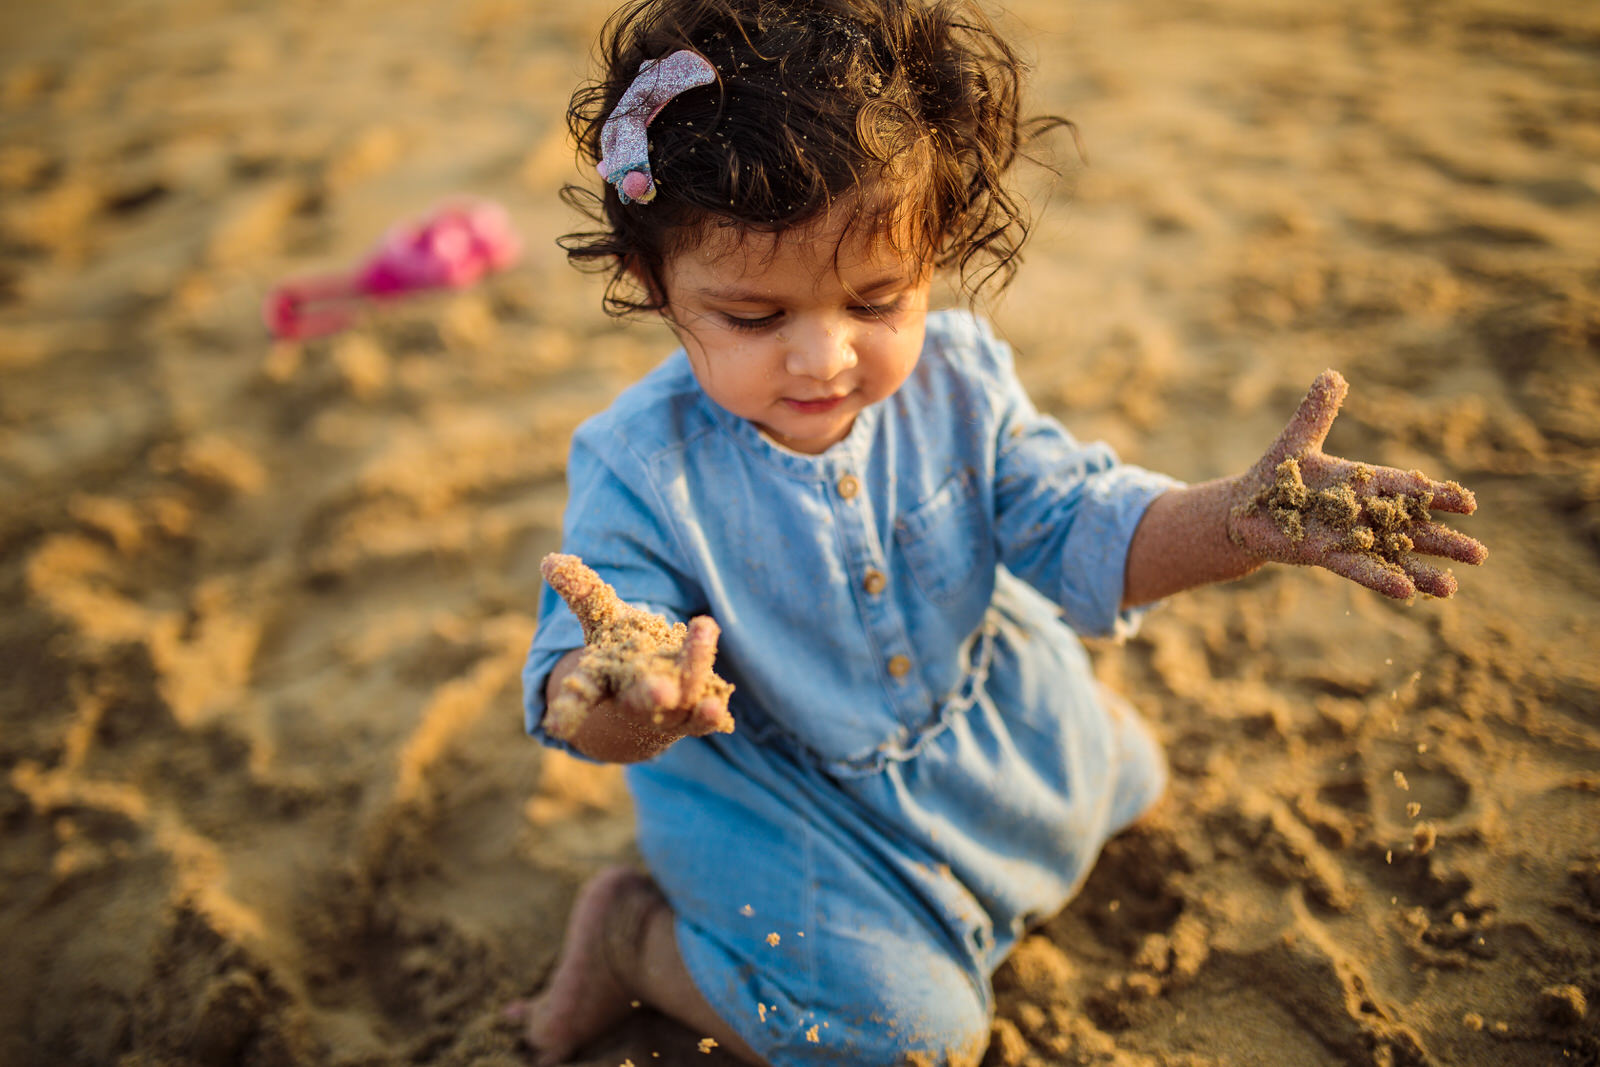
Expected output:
(812, 407)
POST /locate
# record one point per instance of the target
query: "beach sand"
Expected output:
(264, 792)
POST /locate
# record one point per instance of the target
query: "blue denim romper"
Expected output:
(923, 764)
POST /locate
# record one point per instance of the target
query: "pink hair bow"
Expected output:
(625, 162)
(458, 243)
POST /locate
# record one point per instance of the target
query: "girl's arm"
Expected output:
(1182, 542)
(1300, 505)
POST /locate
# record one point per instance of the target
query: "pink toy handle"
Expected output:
(457, 244)
(311, 307)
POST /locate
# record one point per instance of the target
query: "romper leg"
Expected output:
(1142, 765)
(798, 927)
(887, 993)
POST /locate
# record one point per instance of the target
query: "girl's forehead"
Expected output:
(815, 254)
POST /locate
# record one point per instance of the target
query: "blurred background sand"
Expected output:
(263, 786)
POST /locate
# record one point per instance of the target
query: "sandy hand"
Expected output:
(1300, 505)
(634, 663)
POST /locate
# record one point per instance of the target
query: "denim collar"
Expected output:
(848, 454)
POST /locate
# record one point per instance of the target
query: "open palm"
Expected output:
(1300, 505)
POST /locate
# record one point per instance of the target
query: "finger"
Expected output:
(1452, 496)
(516, 1011)
(1445, 496)
(710, 716)
(699, 652)
(659, 698)
(582, 682)
(1371, 572)
(570, 706)
(1436, 540)
(1428, 578)
(1314, 418)
(593, 601)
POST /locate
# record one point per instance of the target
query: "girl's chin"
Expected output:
(807, 439)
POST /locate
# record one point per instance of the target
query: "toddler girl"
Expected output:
(914, 763)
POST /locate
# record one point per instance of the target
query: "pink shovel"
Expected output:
(459, 243)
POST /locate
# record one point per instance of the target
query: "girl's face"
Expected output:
(784, 333)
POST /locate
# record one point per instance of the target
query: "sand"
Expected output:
(263, 786)
(1374, 526)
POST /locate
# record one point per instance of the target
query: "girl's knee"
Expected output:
(927, 1016)
(952, 1034)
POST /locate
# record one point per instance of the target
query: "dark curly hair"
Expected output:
(904, 111)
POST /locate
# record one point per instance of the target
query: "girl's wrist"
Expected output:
(1226, 557)
(1185, 540)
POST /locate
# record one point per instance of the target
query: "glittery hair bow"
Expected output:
(626, 159)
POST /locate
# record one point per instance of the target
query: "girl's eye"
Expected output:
(765, 322)
(878, 311)
(741, 323)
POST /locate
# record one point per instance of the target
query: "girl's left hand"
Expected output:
(1300, 505)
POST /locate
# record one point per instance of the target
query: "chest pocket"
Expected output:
(946, 540)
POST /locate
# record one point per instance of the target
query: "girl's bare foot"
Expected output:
(590, 989)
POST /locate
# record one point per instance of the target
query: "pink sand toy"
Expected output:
(458, 243)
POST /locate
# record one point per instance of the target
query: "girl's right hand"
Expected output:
(639, 683)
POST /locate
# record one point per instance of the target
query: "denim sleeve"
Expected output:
(1065, 512)
(613, 523)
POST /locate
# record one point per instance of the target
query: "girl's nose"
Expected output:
(823, 353)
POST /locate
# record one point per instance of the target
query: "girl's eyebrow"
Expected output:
(752, 296)
(735, 296)
(886, 282)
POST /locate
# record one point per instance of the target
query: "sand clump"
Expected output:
(1563, 1004)
(1373, 525)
